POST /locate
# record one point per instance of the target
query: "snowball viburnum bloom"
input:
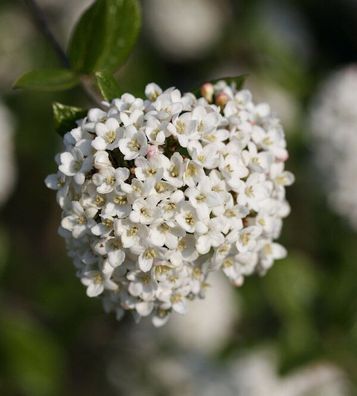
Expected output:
(158, 193)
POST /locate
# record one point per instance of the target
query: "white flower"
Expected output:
(157, 194)
(107, 179)
(96, 283)
(152, 91)
(59, 183)
(78, 221)
(185, 29)
(247, 239)
(165, 233)
(145, 211)
(206, 156)
(111, 247)
(151, 168)
(108, 135)
(133, 144)
(174, 169)
(270, 252)
(333, 127)
(74, 164)
(130, 233)
(213, 237)
(187, 218)
(184, 128)
(118, 205)
(203, 198)
(253, 191)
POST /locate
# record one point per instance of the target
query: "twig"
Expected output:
(42, 24)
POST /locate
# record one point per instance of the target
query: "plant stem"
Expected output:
(42, 24)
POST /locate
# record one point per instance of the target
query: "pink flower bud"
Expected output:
(207, 91)
(152, 151)
(283, 156)
(222, 99)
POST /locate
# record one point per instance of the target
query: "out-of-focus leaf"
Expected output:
(298, 343)
(237, 81)
(105, 35)
(65, 117)
(107, 84)
(34, 361)
(48, 80)
(291, 285)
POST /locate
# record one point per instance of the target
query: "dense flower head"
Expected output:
(158, 193)
(7, 160)
(333, 121)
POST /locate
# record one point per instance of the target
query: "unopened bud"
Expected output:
(207, 91)
(222, 99)
(152, 151)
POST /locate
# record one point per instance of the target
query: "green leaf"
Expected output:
(48, 80)
(108, 86)
(237, 81)
(292, 285)
(65, 117)
(105, 35)
(33, 358)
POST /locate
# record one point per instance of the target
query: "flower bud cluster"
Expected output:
(158, 193)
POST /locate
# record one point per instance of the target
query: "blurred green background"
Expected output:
(56, 341)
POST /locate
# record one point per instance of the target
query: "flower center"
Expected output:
(174, 171)
(99, 200)
(134, 145)
(110, 137)
(189, 219)
(180, 127)
(133, 231)
(120, 200)
(150, 254)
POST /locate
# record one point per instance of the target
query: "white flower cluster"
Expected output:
(186, 29)
(7, 160)
(158, 193)
(333, 123)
